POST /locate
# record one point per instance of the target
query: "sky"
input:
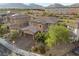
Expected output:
(41, 2)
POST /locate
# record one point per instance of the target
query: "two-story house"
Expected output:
(39, 24)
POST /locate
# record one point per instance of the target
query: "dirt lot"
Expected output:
(59, 50)
(25, 42)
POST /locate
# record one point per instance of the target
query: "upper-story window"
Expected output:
(40, 26)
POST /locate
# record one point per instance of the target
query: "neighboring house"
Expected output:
(74, 31)
(37, 12)
(77, 30)
(64, 10)
(4, 17)
(17, 21)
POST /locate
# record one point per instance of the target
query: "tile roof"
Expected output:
(30, 30)
(46, 20)
(19, 16)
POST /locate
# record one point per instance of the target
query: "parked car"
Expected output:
(75, 51)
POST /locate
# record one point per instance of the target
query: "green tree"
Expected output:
(40, 37)
(57, 34)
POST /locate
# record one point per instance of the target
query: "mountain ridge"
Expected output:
(34, 6)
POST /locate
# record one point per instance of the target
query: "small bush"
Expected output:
(39, 49)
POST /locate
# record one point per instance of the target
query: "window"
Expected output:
(40, 26)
